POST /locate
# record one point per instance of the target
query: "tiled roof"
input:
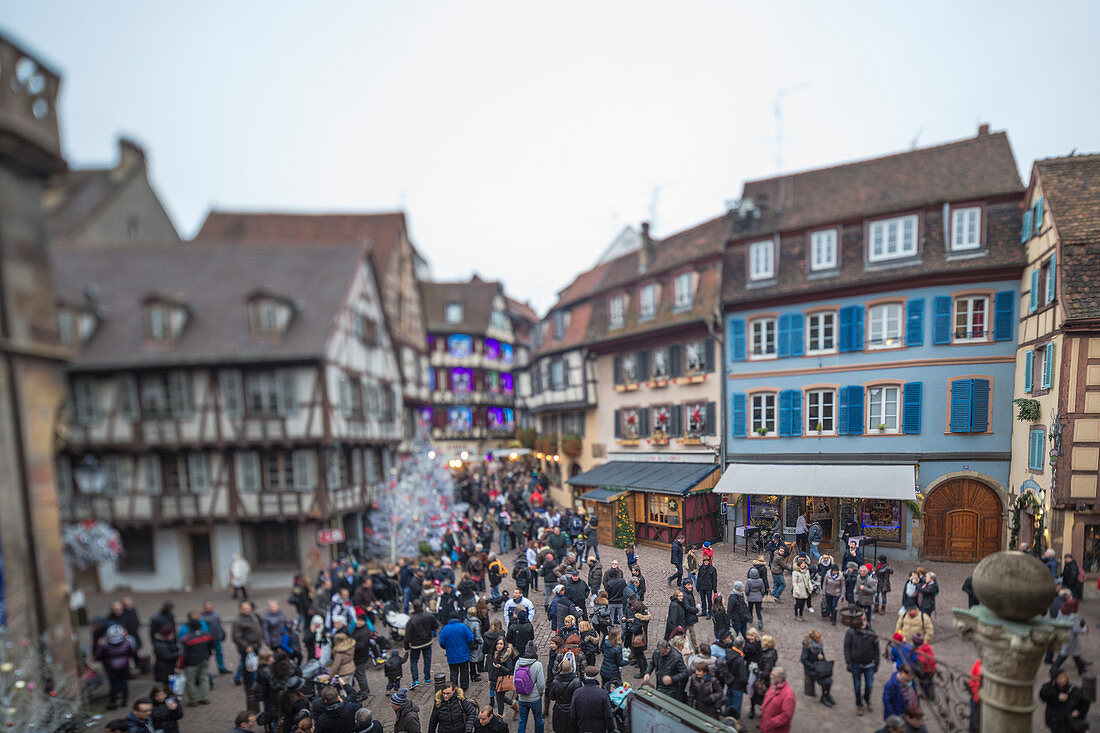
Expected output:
(71, 197)
(978, 167)
(575, 335)
(522, 310)
(214, 281)
(474, 295)
(1071, 189)
(382, 231)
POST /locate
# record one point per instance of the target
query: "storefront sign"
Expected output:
(329, 537)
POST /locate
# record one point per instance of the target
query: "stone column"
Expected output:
(1012, 633)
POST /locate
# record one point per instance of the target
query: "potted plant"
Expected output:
(761, 431)
(1028, 409)
(571, 445)
(819, 427)
(882, 427)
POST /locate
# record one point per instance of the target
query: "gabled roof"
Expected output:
(1071, 189)
(382, 231)
(977, 167)
(214, 280)
(521, 310)
(474, 295)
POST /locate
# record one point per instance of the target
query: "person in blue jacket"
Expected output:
(899, 693)
(455, 639)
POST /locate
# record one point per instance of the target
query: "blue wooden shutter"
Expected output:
(796, 411)
(798, 334)
(1029, 369)
(1035, 450)
(855, 410)
(844, 330)
(842, 411)
(1025, 230)
(738, 421)
(1002, 315)
(962, 391)
(784, 336)
(1039, 215)
(857, 329)
(851, 328)
(1051, 280)
(941, 327)
(979, 414)
(1033, 292)
(785, 413)
(737, 339)
(1048, 365)
(914, 322)
(911, 404)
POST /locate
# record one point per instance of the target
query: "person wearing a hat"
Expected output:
(576, 590)
(1067, 705)
(560, 607)
(691, 611)
(925, 664)
(406, 713)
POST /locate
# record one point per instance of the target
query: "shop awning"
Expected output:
(663, 478)
(898, 482)
(604, 496)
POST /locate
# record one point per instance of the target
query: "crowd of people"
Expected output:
(308, 670)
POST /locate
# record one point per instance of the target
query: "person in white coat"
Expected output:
(239, 570)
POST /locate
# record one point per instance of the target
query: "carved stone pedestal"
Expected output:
(1011, 653)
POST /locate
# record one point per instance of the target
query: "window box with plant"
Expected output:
(1028, 409)
(882, 427)
(571, 445)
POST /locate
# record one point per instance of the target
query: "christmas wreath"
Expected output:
(1026, 499)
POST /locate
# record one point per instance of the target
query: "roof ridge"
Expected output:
(302, 214)
(878, 158)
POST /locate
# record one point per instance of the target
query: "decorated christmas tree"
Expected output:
(624, 526)
(416, 509)
(36, 696)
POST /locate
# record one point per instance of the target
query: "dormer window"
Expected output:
(616, 311)
(268, 314)
(498, 319)
(560, 324)
(682, 290)
(453, 313)
(762, 260)
(892, 239)
(648, 302)
(164, 319)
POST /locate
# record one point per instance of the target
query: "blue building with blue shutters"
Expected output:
(870, 323)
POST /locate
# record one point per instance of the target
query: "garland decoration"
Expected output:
(1027, 499)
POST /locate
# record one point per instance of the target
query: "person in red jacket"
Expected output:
(778, 709)
(975, 685)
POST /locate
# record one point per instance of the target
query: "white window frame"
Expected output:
(682, 290)
(150, 469)
(823, 403)
(198, 473)
(249, 472)
(760, 405)
(453, 313)
(762, 260)
(961, 220)
(615, 308)
(160, 326)
(823, 249)
(880, 231)
(817, 321)
(86, 400)
(557, 374)
(882, 402)
(647, 305)
(968, 301)
(879, 335)
(758, 331)
(498, 319)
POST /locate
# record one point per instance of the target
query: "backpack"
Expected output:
(522, 681)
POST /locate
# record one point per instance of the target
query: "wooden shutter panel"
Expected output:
(1051, 279)
(1029, 370)
(1033, 292)
(643, 422)
(911, 408)
(618, 369)
(785, 413)
(1002, 315)
(618, 423)
(737, 339)
(1048, 365)
(961, 403)
(1038, 218)
(979, 406)
(1025, 230)
(305, 470)
(711, 419)
(914, 322)
(797, 334)
(675, 361)
(738, 413)
(796, 412)
(941, 328)
(643, 365)
(708, 351)
(179, 394)
(783, 338)
(842, 411)
(857, 328)
(855, 410)
(851, 328)
(676, 421)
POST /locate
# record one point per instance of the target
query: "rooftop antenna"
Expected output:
(653, 202)
(779, 95)
(916, 138)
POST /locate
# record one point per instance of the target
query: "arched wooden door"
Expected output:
(962, 521)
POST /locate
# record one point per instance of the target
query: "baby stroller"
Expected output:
(766, 519)
(620, 696)
(396, 620)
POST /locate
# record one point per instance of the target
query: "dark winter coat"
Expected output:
(117, 655)
(707, 581)
(520, 631)
(591, 709)
(677, 554)
(927, 594)
(639, 583)
(765, 663)
(736, 670)
(705, 694)
(564, 607)
(691, 610)
(721, 624)
(196, 648)
(860, 648)
(737, 608)
(456, 715)
(561, 691)
(407, 719)
(247, 632)
(420, 629)
(675, 617)
(337, 717)
(595, 575)
(673, 666)
(164, 720)
(577, 592)
(613, 661)
(1059, 714)
(614, 585)
(812, 653)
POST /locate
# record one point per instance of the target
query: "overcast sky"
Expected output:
(521, 137)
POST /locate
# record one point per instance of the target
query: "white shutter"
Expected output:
(357, 467)
(179, 394)
(372, 464)
(288, 392)
(232, 395)
(198, 473)
(113, 479)
(345, 395)
(127, 398)
(332, 470)
(85, 404)
(305, 470)
(248, 471)
(150, 473)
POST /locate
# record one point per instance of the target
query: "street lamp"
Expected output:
(89, 476)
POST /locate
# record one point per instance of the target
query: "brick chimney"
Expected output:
(648, 250)
(983, 129)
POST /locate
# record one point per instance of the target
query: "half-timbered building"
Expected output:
(223, 399)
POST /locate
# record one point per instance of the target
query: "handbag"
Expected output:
(639, 640)
(823, 669)
(505, 683)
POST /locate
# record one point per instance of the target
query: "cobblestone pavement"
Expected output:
(779, 621)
